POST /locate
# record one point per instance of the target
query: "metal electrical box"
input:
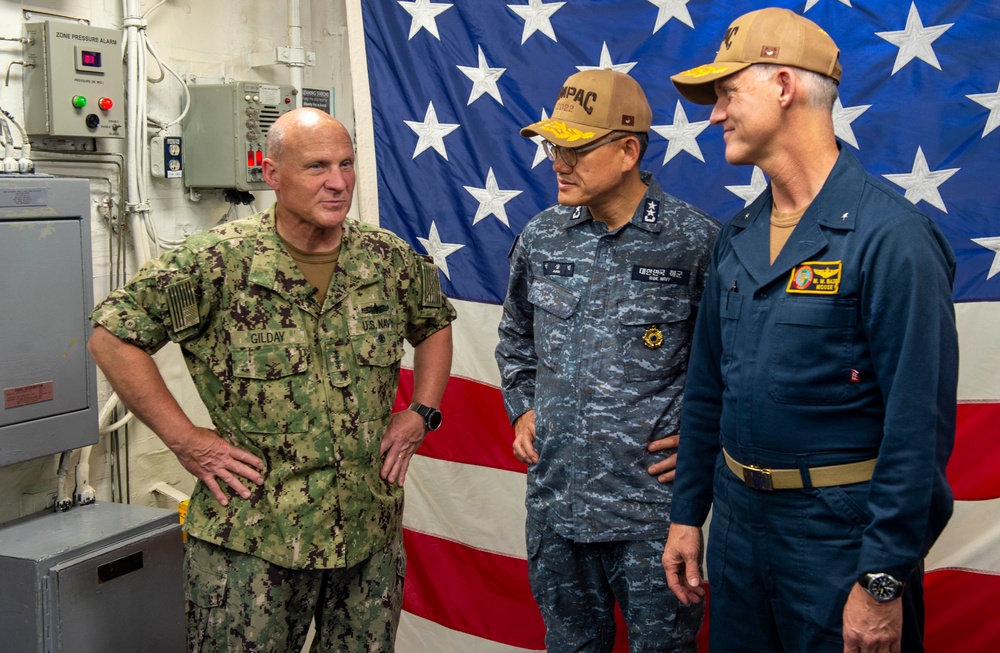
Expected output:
(224, 133)
(74, 82)
(49, 383)
(103, 577)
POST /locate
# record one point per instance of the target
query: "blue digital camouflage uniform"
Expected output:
(306, 388)
(842, 350)
(594, 337)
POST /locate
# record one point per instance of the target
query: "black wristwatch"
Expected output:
(432, 416)
(881, 587)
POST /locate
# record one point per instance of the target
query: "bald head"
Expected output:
(301, 125)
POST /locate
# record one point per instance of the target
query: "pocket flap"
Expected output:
(553, 299)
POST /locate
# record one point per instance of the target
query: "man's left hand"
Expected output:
(870, 626)
(403, 435)
(664, 470)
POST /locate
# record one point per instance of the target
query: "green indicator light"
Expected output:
(79, 101)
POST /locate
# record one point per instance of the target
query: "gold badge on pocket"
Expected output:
(653, 338)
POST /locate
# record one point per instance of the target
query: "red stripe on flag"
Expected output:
(957, 606)
(974, 468)
(471, 591)
(475, 430)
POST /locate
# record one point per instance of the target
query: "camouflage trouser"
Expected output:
(238, 603)
(576, 586)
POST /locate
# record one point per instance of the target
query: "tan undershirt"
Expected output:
(316, 267)
(782, 225)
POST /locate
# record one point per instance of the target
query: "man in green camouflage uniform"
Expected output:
(291, 323)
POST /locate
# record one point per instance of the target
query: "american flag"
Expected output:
(451, 83)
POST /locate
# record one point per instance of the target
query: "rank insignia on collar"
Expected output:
(816, 278)
(653, 338)
(651, 211)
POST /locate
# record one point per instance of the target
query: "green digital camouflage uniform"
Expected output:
(308, 389)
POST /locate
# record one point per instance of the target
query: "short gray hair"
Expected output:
(821, 91)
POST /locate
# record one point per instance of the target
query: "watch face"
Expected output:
(883, 587)
(433, 420)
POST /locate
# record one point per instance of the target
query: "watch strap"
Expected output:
(432, 416)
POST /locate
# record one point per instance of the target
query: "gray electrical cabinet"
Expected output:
(105, 577)
(224, 133)
(47, 379)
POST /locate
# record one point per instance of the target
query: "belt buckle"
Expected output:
(757, 478)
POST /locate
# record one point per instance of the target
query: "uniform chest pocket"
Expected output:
(730, 304)
(555, 307)
(813, 351)
(654, 336)
(378, 349)
(275, 385)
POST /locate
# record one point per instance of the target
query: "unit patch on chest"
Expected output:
(285, 337)
(661, 275)
(816, 278)
(558, 268)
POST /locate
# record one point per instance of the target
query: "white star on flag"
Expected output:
(606, 63)
(994, 244)
(424, 15)
(437, 250)
(922, 183)
(538, 140)
(671, 9)
(484, 79)
(842, 119)
(431, 133)
(749, 193)
(914, 42)
(537, 17)
(682, 135)
(812, 3)
(992, 102)
(491, 199)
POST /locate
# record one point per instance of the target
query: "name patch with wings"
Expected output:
(816, 278)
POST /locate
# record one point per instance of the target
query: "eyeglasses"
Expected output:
(571, 156)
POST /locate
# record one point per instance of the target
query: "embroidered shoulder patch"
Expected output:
(183, 304)
(431, 284)
(816, 278)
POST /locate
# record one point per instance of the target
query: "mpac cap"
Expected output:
(592, 104)
(772, 35)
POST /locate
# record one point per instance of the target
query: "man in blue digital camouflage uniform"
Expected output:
(594, 340)
(292, 324)
(820, 403)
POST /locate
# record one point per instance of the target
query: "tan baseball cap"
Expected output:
(592, 104)
(772, 35)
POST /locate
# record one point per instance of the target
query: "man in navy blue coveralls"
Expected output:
(819, 409)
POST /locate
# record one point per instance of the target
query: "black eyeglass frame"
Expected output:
(566, 153)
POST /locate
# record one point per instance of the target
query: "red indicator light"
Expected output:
(105, 103)
(260, 158)
(250, 159)
(288, 100)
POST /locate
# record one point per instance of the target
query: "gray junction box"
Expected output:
(224, 133)
(74, 85)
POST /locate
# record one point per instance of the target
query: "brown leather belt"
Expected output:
(761, 478)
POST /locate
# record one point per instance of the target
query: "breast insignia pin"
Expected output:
(653, 338)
